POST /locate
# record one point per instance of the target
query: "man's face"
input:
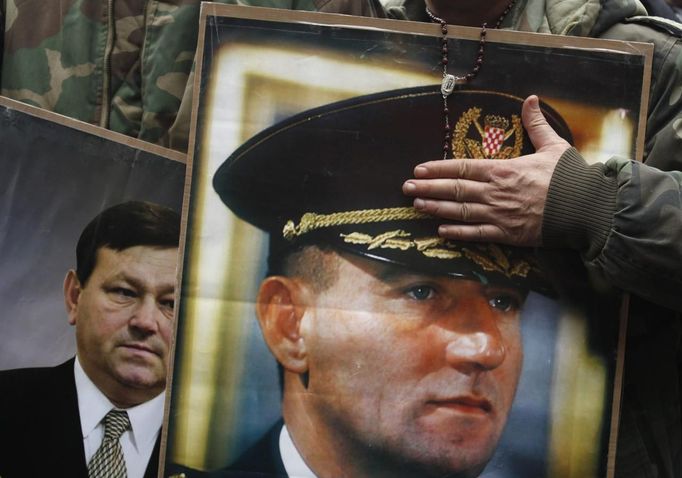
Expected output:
(420, 370)
(123, 317)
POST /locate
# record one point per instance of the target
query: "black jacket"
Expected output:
(262, 460)
(40, 429)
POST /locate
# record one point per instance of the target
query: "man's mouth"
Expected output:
(140, 348)
(468, 404)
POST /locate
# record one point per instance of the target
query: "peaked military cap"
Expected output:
(334, 175)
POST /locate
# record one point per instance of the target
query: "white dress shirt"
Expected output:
(137, 443)
(292, 459)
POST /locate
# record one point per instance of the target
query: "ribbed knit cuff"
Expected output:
(580, 206)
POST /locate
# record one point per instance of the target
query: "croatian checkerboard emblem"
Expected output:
(492, 137)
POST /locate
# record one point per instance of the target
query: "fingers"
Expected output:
(539, 131)
(473, 233)
(474, 169)
(452, 189)
(456, 211)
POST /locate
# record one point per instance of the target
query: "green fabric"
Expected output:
(57, 55)
(125, 65)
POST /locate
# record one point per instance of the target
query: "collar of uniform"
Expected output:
(292, 459)
(93, 405)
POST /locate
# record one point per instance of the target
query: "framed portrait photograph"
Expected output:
(58, 174)
(324, 328)
(89, 235)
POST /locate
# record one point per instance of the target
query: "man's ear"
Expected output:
(72, 293)
(280, 308)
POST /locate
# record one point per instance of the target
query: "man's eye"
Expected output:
(123, 292)
(504, 302)
(169, 304)
(421, 292)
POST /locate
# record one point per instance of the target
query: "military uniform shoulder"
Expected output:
(658, 23)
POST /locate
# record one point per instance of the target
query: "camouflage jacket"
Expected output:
(120, 64)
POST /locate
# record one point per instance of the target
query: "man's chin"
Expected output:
(452, 459)
(459, 468)
(441, 468)
(141, 377)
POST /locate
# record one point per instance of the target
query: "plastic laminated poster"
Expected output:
(324, 328)
(58, 175)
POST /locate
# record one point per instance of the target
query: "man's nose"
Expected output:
(474, 352)
(146, 316)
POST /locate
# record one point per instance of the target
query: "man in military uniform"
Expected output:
(400, 351)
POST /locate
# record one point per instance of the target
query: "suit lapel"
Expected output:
(263, 457)
(65, 428)
(53, 425)
(152, 470)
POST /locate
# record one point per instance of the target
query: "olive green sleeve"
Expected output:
(623, 216)
(626, 220)
(580, 205)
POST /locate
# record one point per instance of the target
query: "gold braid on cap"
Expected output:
(490, 257)
(311, 221)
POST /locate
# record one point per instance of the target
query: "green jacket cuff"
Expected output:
(580, 205)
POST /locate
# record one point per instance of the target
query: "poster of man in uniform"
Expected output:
(325, 329)
(90, 226)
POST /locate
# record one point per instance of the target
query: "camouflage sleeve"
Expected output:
(168, 98)
(626, 217)
(167, 59)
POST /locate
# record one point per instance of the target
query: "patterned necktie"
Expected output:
(108, 460)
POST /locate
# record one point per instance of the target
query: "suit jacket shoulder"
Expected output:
(40, 427)
(40, 431)
(262, 460)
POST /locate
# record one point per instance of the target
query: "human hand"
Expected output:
(495, 200)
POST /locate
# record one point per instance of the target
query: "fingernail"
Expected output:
(535, 101)
(409, 187)
(419, 204)
(420, 171)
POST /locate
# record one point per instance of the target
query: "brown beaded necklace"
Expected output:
(450, 80)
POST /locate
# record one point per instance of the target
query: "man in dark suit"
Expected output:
(100, 413)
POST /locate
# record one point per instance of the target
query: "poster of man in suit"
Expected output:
(89, 251)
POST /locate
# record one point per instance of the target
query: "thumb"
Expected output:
(539, 131)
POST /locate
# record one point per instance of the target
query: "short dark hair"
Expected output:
(317, 264)
(132, 223)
